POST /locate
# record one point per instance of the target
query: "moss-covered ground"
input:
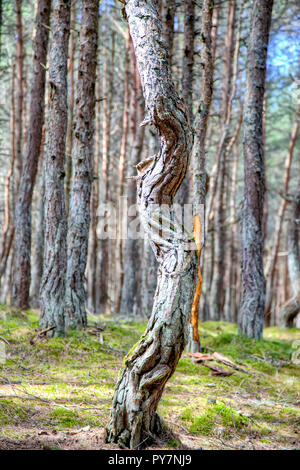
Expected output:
(56, 393)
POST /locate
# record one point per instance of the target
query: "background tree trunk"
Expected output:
(55, 253)
(82, 158)
(22, 242)
(252, 309)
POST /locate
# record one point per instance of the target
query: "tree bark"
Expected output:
(187, 80)
(55, 254)
(108, 92)
(82, 158)
(22, 242)
(121, 178)
(292, 307)
(69, 138)
(131, 245)
(252, 308)
(153, 359)
(217, 293)
(20, 95)
(277, 235)
(199, 154)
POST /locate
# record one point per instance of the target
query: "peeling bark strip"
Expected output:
(79, 210)
(152, 361)
(55, 256)
(252, 309)
(22, 243)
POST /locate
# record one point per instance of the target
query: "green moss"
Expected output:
(215, 415)
(65, 418)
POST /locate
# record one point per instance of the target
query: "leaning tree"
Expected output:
(151, 362)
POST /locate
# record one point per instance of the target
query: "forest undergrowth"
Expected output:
(56, 393)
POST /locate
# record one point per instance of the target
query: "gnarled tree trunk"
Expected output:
(153, 359)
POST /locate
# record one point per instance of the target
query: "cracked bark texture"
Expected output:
(152, 361)
(199, 156)
(82, 161)
(187, 81)
(22, 242)
(252, 309)
(55, 254)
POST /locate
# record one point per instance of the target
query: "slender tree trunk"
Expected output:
(20, 96)
(38, 252)
(153, 359)
(79, 213)
(167, 14)
(103, 261)
(69, 139)
(131, 245)
(7, 229)
(93, 239)
(22, 243)
(121, 177)
(187, 80)
(292, 307)
(277, 235)
(252, 309)
(199, 155)
(218, 291)
(55, 253)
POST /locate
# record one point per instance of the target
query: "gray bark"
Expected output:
(153, 359)
(55, 254)
(292, 307)
(22, 242)
(131, 247)
(252, 309)
(82, 159)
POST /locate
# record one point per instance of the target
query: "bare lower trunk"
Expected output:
(131, 244)
(22, 243)
(218, 290)
(292, 307)
(153, 360)
(103, 250)
(79, 209)
(252, 309)
(199, 155)
(277, 235)
(55, 254)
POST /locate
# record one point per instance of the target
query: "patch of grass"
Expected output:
(68, 382)
(215, 415)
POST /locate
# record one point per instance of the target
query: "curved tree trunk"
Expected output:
(79, 209)
(22, 243)
(153, 359)
(55, 254)
(252, 309)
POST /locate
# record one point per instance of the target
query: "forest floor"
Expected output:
(56, 393)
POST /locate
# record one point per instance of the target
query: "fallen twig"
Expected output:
(40, 334)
